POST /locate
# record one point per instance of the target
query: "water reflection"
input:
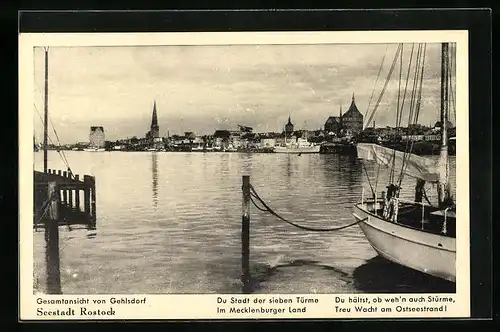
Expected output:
(379, 275)
(351, 171)
(265, 273)
(192, 244)
(289, 167)
(154, 173)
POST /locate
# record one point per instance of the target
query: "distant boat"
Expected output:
(299, 146)
(418, 235)
(94, 149)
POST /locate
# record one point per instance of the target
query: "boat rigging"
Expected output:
(415, 234)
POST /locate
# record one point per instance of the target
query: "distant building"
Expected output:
(153, 134)
(352, 120)
(289, 127)
(153, 138)
(334, 123)
(221, 138)
(349, 122)
(97, 138)
(267, 142)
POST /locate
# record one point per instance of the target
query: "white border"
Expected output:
(203, 306)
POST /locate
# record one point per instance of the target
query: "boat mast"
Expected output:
(443, 189)
(46, 112)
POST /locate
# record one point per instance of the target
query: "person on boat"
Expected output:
(419, 191)
(391, 203)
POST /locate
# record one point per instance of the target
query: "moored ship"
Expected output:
(299, 146)
(416, 234)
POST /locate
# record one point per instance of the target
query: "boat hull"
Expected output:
(94, 149)
(426, 252)
(282, 149)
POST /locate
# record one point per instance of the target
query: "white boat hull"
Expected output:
(426, 252)
(94, 149)
(282, 149)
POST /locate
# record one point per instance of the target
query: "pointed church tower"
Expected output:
(353, 119)
(289, 126)
(155, 129)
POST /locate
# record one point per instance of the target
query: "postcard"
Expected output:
(244, 175)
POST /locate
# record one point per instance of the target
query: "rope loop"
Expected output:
(266, 208)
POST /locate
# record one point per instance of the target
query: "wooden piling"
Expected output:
(245, 235)
(59, 172)
(93, 204)
(65, 174)
(86, 195)
(77, 194)
(52, 241)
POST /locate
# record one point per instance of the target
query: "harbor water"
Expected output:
(170, 222)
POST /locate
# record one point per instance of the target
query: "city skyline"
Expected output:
(204, 88)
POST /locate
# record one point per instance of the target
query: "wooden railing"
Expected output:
(66, 191)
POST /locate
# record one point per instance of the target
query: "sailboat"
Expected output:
(413, 233)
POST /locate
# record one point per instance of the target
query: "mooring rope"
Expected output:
(255, 204)
(266, 208)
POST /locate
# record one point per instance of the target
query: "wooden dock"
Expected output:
(73, 199)
(57, 203)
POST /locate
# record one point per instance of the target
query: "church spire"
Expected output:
(155, 129)
(353, 97)
(154, 121)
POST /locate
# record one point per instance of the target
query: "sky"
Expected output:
(204, 88)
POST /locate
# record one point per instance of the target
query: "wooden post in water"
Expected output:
(77, 193)
(93, 203)
(86, 195)
(52, 241)
(245, 235)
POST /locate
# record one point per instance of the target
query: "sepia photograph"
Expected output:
(246, 168)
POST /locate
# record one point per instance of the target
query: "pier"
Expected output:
(57, 202)
(64, 197)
